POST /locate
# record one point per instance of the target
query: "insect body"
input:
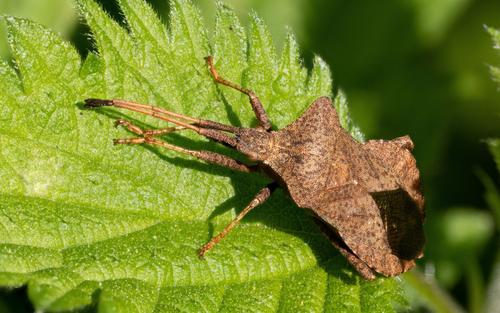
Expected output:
(365, 197)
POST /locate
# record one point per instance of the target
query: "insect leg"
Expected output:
(151, 132)
(257, 107)
(260, 198)
(209, 129)
(129, 141)
(207, 156)
(363, 269)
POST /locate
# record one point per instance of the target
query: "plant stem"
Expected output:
(437, 299)
(475, 286)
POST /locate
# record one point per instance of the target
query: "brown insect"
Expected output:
(365, 197)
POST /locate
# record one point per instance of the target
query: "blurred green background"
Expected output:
(417, 67)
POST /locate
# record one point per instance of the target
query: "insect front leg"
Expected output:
(150, 132)
(257, 106)
(210, 129)
(147, 138)
(259, 198)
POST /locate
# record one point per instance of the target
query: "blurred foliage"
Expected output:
(278, 13)
(493, 196)
(433, 19)
(464, 232)
(495, 71)
(58, 15)
(493, 199)
(422, 68)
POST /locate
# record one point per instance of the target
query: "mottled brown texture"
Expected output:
(368, 193)
(365, 197)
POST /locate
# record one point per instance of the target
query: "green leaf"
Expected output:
(57, 14)
(85, 222)
(494, 145)
(495, 35)
(492, 194)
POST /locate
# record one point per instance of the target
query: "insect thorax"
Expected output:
(255, 143)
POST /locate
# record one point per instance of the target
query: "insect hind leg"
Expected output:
(334, 238)
(259, 198)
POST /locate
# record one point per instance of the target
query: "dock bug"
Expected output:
(365, 197)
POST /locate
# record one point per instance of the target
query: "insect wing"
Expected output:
(354, 214)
